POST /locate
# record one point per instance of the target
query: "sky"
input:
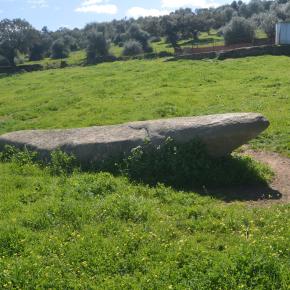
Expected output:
(77, 13)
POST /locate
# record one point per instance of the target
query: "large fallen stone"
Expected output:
(221, 134)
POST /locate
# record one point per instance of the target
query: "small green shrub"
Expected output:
(132, 47)
(59, 162)
(188, 166)
(62, 163)
(20, 157)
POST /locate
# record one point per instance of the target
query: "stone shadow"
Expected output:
(243, 193)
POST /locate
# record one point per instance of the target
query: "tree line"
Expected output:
(237, 22)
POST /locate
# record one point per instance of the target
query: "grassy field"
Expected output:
(95, 231)
(141, 90)
(98, 231)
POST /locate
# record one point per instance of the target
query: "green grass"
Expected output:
(140, 90)
(75, 58)
(97, 231)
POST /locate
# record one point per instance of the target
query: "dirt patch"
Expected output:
(281, 167)
(276, 192)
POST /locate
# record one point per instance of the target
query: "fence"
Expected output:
(215, 46)
(258, 50)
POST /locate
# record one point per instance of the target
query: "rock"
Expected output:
(221, 134)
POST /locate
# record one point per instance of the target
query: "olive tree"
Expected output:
(59, 49)
(132, 47)
(136, 33)
(239, 30)
(16, 36)
(97, 46)
(268, 24)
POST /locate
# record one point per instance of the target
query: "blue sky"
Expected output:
(76, 13)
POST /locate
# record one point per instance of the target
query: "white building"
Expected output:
(283, 33)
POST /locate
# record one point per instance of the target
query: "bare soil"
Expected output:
(281, 167)
(276, 192)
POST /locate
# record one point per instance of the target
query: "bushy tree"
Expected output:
(268, 24)
(59, 49)
(97, 46)
(136, 33)
(170, 30)
(244, 11)
(15, 36)
(228, 14)
(36, 52)
(41, 46)
(255, 7)
(239, 30)
(286, 10)
(132, 47)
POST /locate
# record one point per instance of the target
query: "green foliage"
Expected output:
(188, 166)
(239, 30)
(20, 157)
(59, 162)
(15, 35)
(182, 166)
(170, 30)
(97, 46)
(96, 231)
(62, 163)
(59, 49)
(137, 34)
(132, 48)
(37, 52)
(268, 24)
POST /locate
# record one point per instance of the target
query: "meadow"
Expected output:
(140, 90)
(98, 231)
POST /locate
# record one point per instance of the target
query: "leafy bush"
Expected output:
(59, 162)
(239, 30)
(132, 47)
(59, 49)
(188, 166)
(62, 163)
(20, 157)
(97, 46)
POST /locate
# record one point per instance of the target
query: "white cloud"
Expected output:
(37, 3)
(136, 12)
(97, 6)
(92, 2)
(188, 3)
